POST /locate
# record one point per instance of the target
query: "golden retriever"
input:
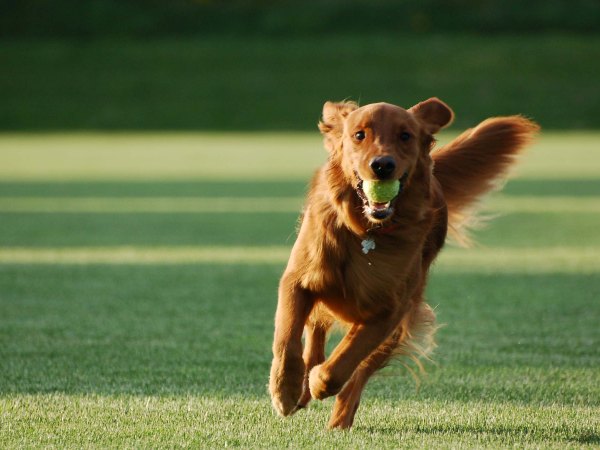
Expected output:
(365, 263)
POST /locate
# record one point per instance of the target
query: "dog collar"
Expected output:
(368, 243)
(383, 230)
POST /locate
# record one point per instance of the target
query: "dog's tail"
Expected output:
(477, 162)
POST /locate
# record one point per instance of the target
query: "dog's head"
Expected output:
(380, 142)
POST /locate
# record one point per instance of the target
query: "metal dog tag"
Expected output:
(368, 245)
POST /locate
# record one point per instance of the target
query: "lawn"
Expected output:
(138, 279)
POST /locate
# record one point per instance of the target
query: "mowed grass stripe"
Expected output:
(522, 260)
(144, 255)
(529, 260)
(159, 156)
(115, 205)
(250, 156)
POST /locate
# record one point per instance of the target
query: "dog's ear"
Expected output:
(434, 114)
(332, 124)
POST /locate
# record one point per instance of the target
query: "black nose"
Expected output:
(383, 166)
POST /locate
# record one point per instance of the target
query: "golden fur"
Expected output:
(378, 295)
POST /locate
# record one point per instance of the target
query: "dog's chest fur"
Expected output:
(337, 272)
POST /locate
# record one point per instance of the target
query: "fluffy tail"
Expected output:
(477, 162)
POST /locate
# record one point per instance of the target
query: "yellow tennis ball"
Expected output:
(381, 191)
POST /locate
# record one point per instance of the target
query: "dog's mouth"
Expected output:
(378, 211)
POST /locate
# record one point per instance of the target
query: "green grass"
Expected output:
(255, 83)
(131, 314)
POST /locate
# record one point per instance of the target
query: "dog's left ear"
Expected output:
(434, 114)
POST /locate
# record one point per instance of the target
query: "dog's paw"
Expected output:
(284, 405)
(285, 386)
(321, 383)
(343, 413)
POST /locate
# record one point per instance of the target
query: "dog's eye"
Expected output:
(359, 135)
(404, 136)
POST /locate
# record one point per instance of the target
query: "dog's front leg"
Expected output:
(327, 379)
(287, 370)
(315, 337)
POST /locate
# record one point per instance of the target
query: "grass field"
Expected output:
(138, 278)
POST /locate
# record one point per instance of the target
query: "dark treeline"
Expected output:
(149, 18)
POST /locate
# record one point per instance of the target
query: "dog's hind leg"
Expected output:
(360, 341)
(315, 335)
(413, 339)
(348, 400)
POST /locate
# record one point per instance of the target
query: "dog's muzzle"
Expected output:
(378, 212)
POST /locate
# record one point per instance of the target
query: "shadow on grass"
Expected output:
(226, 229)
(505, 432)
(554, 187)
(152, 188)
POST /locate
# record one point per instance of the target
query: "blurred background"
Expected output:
(270, 65)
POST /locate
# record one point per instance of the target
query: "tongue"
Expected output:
(379, 206)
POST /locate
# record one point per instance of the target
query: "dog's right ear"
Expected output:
(332, 125)
(434, 114)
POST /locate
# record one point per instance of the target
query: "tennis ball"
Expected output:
(381, 191)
